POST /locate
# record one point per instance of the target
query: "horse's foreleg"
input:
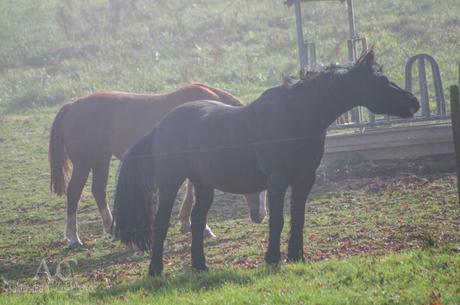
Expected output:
(167, 195)
(276, 191)
(300, 191)
(204, 198)
(77, 182)
(100, 176)
(186, 211)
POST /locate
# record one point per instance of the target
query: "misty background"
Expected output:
(52, 51)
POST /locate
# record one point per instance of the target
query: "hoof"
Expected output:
(155, 271)
(200, 268)
(295, 252)
(185, 228)
(109, 233)
(208, 233)
(295, 259)
(76, 246)
(272, 263)
(271, 259)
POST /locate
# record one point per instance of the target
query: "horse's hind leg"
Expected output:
(186, 211)
(167, 194)
(186, 207)
(100, 176)
(204, 197)
(80, 174)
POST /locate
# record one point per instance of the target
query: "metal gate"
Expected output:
(359, 117)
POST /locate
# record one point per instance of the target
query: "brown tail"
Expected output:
(59, 161)
(226, 97)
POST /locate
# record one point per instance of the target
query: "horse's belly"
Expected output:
(235, 172)
(242, 184)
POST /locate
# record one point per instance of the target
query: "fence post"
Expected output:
(455, 116)
(300, 44)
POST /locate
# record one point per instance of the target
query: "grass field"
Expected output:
(374, 240)
(57, 50)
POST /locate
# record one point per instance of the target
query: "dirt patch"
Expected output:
(358, 169)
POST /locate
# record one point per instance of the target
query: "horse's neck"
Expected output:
(326, 104)
(269, 115)
(309, 111)
(329, 112)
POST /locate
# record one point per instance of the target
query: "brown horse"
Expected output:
(87, 132)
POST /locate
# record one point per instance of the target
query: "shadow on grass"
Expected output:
(28, 269)
(188, 280)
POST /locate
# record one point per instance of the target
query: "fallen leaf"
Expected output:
(435, 298)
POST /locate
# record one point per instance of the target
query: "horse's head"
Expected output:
(375, 91)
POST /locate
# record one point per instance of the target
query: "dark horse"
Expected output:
(274, 143)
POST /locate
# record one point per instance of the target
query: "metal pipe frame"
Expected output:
(300, 44)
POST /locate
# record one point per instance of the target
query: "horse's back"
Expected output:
(182, 123)
(109, 122)
(106, 123)
(185, 117)
(213, 142)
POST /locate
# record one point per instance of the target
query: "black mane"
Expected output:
(312, 76)
(330, 71)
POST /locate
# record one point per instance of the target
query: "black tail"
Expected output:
(135, 199)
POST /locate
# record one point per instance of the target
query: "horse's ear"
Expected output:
(287, 81)
(366, 61)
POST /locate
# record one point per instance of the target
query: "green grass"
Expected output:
(56, 50)
(375, 240)
(405, 278)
